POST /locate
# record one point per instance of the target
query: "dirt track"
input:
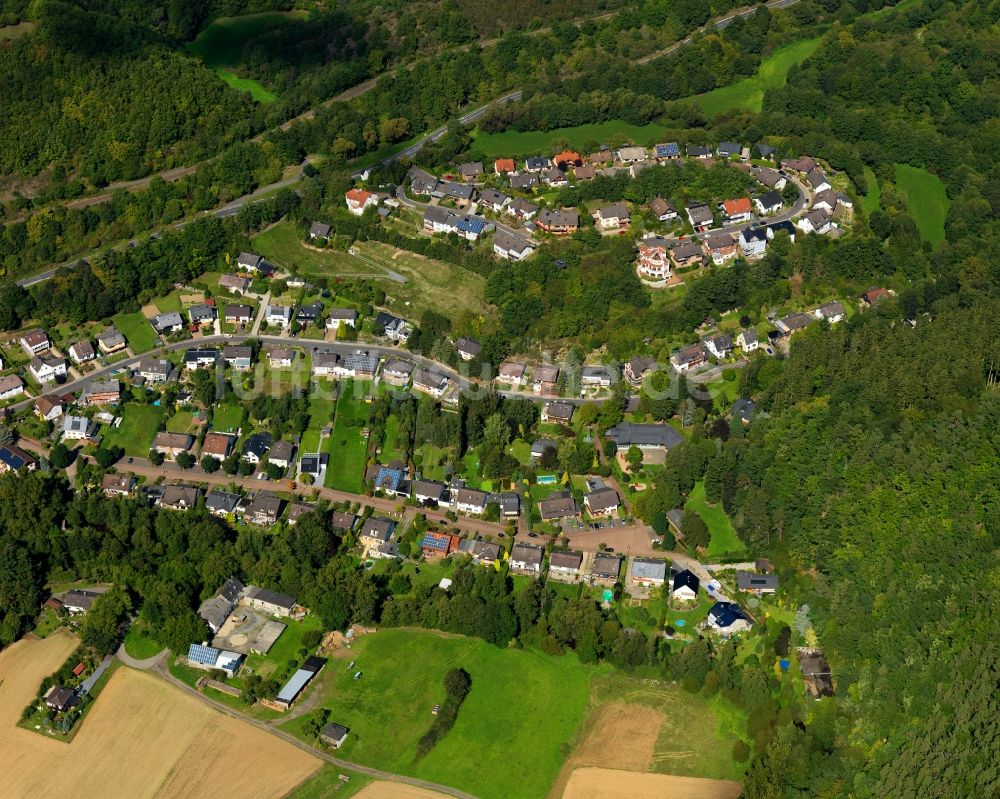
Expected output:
(143, 739)
(603, 783)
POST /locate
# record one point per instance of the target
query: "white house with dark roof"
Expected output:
(747, 340)
(467, 348)
(510, 247)
(341, 316)
(82, 351)
(832, 312)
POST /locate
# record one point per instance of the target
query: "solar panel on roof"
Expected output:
(206, 655)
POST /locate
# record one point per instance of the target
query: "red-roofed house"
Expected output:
(439, 544)
(504, 165)
(566, 159)
(358, 200)
(737, 211)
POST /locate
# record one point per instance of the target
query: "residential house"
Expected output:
(653, 263)
(35, 341)
(769, 178)
(698, 151)
(727, 618)
(729, 149)
(334, 734)
(471, 170)
(494, 200)
(171, 445)
(560, 222)
(596, 377)
(111, 341)
(341, 520)
(341, 316)
(509, 503)
(456, 191)
(425, 491)
(421, 182)
(768, 203)
(689, 357)
(235, 284)
(471, 501)
(256, 447)
(644, 436)
(601, 157)
(216, 609)
(392, 327)
(748, 340)
(48, 408)
(103, 392)
(279, 315)
(737, 211)
(873, 297)
(154, 370)
(700, 216)
(630, 155)
(504, 166)
(320, 231)
(826, 200)
(324, 364)
(816, 673)
(251, 262)
(179, 497)
(313, 464)
(218, 445)
(540, 446)
(358, 201)
(558, 412)
(238, 314)
(356, 364)
(648, 572)
(467, 348)
(281, 454)
(222, 503)
(753, 242)
(117, 485)
(817, 181)
(756, 583)
(80, 600)
(687, 252)
(526, 558)
(524, 182)
(538, 163)
(546, 379)
(667, 151)
(832, 312)
(273, 602)
(521, 209)
(312, 312)
(662, 210)
(376, 530)
(265, 509)
(60, 699)
(77, 428)
(512, 248)
(684, 586)
(12, 386)
(554, 177)
(721, 247)
(82, 351)
(396, 372)
(280, 358)
(743, 410)
(720, 345)
(602, 502)
(793, 323)
(512, 373)
(565, 564)
(803, 165)
(766, 151)
(637, 368)
(585, 172)
(777, 228)
(558, 505)
(816, 221)
(612, 217)
(46, 370)
(605, 568)
(201, 314)
(438, 545)
(164, 323)
(567, 159)
(239, 358)
(200, 359)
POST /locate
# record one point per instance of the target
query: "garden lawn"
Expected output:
(723, 539)
(168, 303)
(137, 331)
(346, 471)
(136, 432)
(512, 143)
(433, 460)
(390, 708)
(227, 418)
(181, 422)
(320, 417)
(138, 642)
(392, 447)
(926, 200)
(749, 92)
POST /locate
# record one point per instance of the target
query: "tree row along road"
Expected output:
(176, 173)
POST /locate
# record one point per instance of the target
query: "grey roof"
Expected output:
(527, 553)
(770, 198)
(648, 569)
(816, 178)
(398, 367)
(602, 499)
(238, 311)
(342, 313)
(222, 501)
(523, 182)
(431, 489)
(559, 218)
(471, 496)
(469, 346)
(625, 434)
(231, 589)
(320, 229)
(272, 597)
(606, 565)
(377, 527)
(830, 309)
(618, 210)
(510, 243)
(719, 241)
(689, 248)
(231, 352)
(265, 504)
(557, 507)
(722, 341)
(460, 191)
(565, 560)
(333, 731)
(282, 451)
(559, 410)
(749, 335)
(167, 320)
(699, 213)
(494, 197)
(180, 496)
(201, 311)
(339, 520)
(748, 581)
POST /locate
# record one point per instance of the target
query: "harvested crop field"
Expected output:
(172, 743)
(604, 783)
(620, 736)
(396, 790)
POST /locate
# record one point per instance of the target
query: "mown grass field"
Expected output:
(220, 48)
(873, 199)
(513, 143)
(524, 707)
(138, 641)
(137, 331)
(749, 92)
(723, 539)
(926, 200)
(347, 445)
(429, 284)
(227, 418)
(136, 432)
(326, 783)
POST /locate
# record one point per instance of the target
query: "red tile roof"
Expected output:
(737, 207)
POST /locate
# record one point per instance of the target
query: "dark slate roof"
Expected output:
(725, 614)
(748, 581)
(686, 579)
(624, 434)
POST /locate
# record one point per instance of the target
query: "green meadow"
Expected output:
(926, 200)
